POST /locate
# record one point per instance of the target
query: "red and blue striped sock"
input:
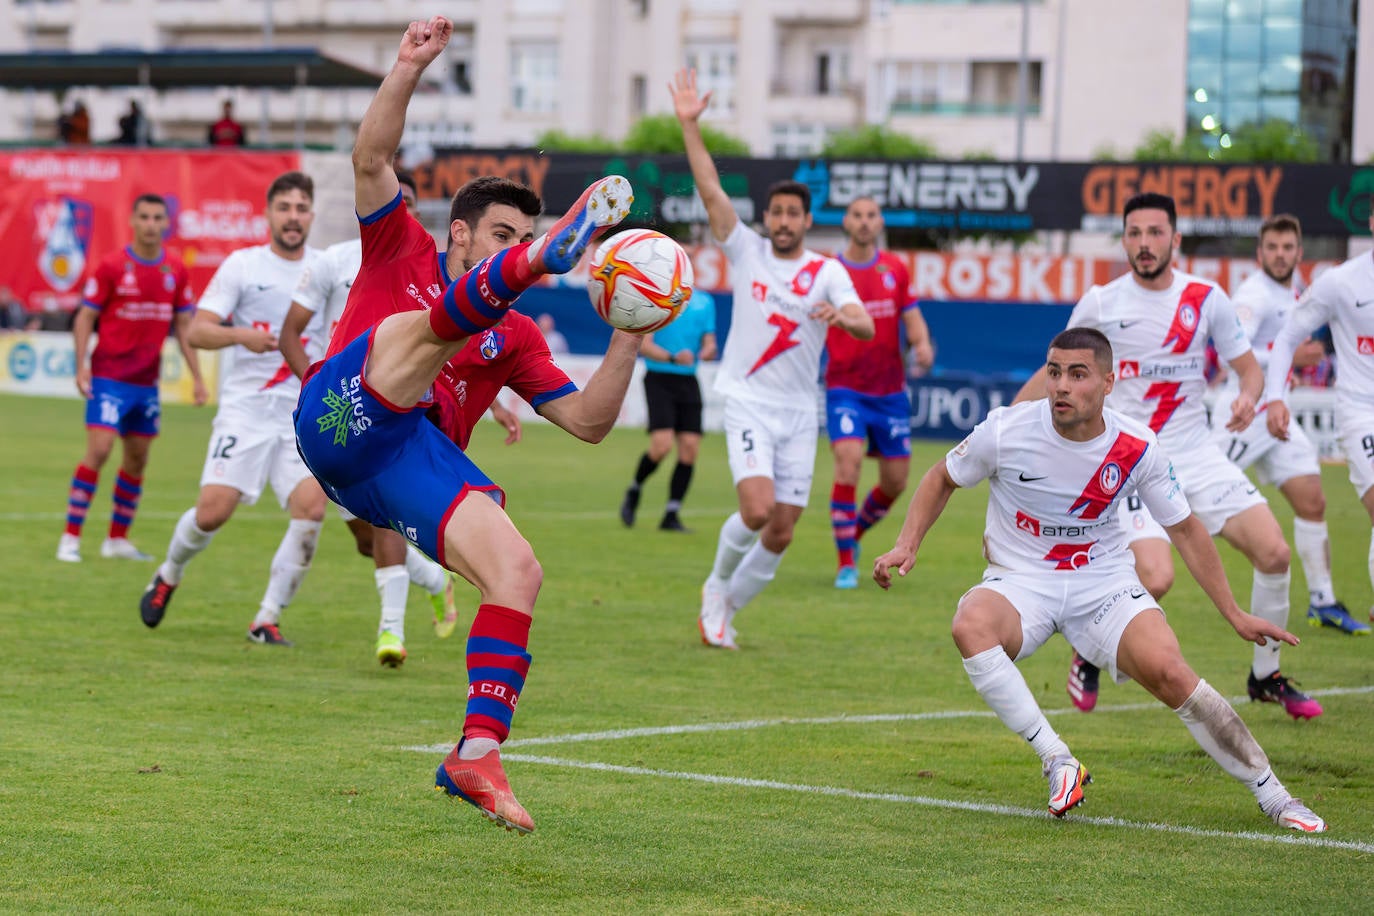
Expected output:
(874, 511)
(842, 521)
(79, 498)
(480, 298)
(498, 662)
(126, 493)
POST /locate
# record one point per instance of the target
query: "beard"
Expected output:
(1161, 265)
(792, 245)
(1283, 279)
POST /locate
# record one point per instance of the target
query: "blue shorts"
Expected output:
(130, 410)
(386, 465)
(884, 420)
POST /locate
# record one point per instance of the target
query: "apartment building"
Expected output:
(1098, 74)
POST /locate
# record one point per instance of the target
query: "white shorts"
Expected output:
(1216, 489)
(1275, 461)
(253, 444)
(773, 442)
(1137, 521)
(1355, 426)
(1090, 607)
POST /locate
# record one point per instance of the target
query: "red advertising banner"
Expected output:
(62, 210)
(1033, 278)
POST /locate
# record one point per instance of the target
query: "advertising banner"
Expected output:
(43, 363)
(964, 197)
(61, 210)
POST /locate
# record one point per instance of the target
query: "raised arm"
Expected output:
(688, 106)
(379, 134)
(590, 413)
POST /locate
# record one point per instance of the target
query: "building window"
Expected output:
(715, 67)
(639, 95)
(796, 140)
(994, 87)
(460, 69)
(954, 88)
(534, 77)
(832, 71)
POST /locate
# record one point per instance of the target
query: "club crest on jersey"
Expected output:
(493, 342)
(889, 281)
(1106, 481)
(1187, 317)
(1365, 345)
(169, 282)
(806, 278)
(760, 291)
(1128, 368)
(1110, 478)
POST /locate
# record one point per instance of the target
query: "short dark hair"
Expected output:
(1086, 339)
(1150, 200)
(291, 181)
(473, 199)
(407, 179)
(1282, 222)
(793, 188)
(156, 199)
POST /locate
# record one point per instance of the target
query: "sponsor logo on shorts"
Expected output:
(1112, 601)
(346, 414)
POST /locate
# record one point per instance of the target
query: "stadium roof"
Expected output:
(280, 68)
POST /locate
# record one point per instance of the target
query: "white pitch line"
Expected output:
(621, 734)
(977, 807)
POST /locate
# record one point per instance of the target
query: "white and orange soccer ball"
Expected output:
(640, 280)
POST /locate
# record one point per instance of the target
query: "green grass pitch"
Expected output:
(839, 763)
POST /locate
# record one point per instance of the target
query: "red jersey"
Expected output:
(873, 366)
(512, 354)
(137, 300)
(400, 272)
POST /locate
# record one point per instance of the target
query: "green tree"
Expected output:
(663, 134)
(1269, 141)
(877, 142)
(561, 142)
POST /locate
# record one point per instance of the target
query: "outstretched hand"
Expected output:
(423, 41)
(1277, 416)
(687, 105)
(1258, 630)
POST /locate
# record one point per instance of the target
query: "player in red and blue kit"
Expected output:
(138, 294)
(409, 340)
(866, 402)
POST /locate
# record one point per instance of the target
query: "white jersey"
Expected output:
(325, 291)
(1159, 342)
(253, 288)
(1342, 297)
(1262, 305)
(773, 352)
(1053, 502)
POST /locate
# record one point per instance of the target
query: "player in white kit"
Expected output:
(319, 300)
(1058, 471)
(1262, 303)
(1342, 297)
(786, 299)
(1158, 320)
(253, 440)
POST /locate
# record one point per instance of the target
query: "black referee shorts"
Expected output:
(674, 402)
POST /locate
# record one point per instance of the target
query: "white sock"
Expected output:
(735, 541)
(476, 747)
(1220, 732)
(1269, 601)
(1311, 541)
(187, 541)
(424, 572)
(289, 566)
(1371, 557)
(392, 584)
(752, 575)
(1000, 684)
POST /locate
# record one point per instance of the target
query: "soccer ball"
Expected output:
(640, 280)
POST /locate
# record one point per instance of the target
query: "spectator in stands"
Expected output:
(558, 344)
(133, 127)
(13, 317)
(75, 126)
(226, 131)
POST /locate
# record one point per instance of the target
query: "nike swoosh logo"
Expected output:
(1360, 305)
(1140, 593)
(1264, 780)
(1127, 324)
(261, 287)
(1025, 479)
